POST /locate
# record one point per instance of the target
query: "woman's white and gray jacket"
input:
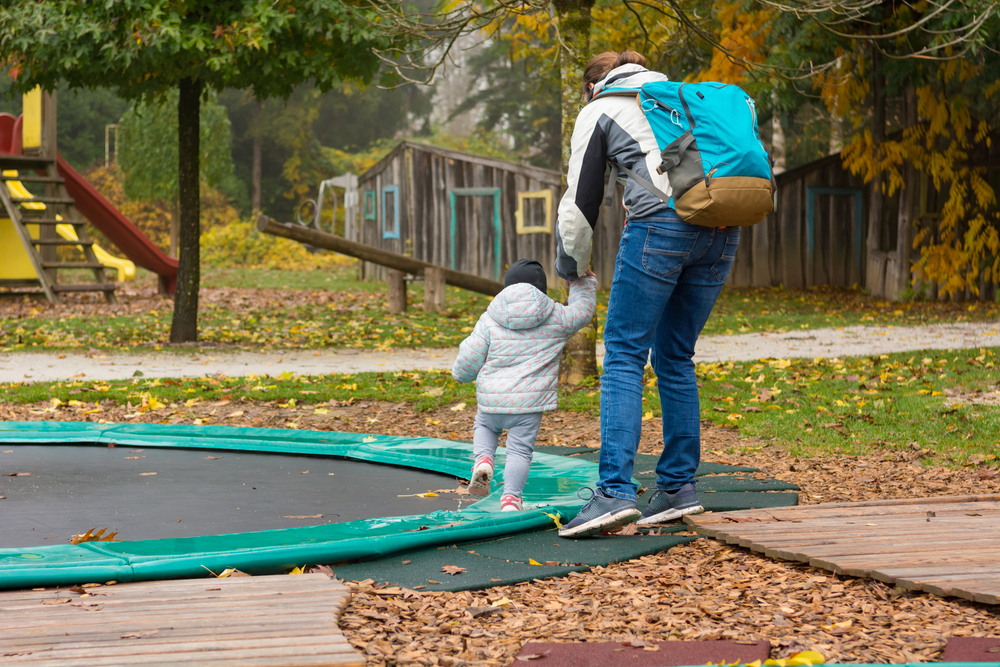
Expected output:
(611, 128)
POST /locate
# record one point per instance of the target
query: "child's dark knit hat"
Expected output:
(526, 271)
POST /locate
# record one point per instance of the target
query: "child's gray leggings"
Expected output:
(521, 433)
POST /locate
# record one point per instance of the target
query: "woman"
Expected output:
(668, 275)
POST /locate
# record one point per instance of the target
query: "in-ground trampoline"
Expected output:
(259, 500)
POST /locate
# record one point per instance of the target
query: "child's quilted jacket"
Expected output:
(513, 353)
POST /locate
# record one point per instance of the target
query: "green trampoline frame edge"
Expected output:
(554, 481)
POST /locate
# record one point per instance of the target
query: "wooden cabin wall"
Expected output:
(776, 252)
(425, 179)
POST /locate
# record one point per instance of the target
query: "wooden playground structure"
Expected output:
(33, 228)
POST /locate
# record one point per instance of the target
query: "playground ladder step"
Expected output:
(41, 200)
(27, 220)
(33, 179)
(60, 242)
(72, 265)
(28, 162)
(85, 287)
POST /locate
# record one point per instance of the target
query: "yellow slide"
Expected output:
(18, 265)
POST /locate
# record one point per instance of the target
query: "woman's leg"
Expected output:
(522, 431)
(651, 256)
(689, 307)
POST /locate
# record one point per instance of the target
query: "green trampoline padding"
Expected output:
(553, 483)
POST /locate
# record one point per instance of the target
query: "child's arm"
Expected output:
(472, 353)
(582, 303)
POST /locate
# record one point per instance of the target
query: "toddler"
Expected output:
(513, 355)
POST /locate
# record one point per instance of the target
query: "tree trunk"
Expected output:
(908, 203)
(579, 360)
(777, 135)
(175, 228)
(184, 328)
(255, 172)
(875, 273)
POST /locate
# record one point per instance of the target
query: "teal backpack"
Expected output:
(719, 170)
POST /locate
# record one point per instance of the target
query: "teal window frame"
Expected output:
(497, 224)
(394, 189)
(371, 203)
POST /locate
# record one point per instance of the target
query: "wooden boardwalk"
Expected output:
(947, 546)
(247, 621)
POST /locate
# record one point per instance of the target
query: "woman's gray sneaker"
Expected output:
(600, 514)
(665, 506)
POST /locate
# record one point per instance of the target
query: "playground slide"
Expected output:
(102, 214)
(125, 268)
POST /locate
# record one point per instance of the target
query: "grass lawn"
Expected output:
(947, 402)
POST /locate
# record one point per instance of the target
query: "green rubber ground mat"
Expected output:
(729, 501)
(547, 546)
(731, 483)
(425, 566)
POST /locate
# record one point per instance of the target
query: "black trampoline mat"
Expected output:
(75, 488)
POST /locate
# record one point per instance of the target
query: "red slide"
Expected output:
(102, 214)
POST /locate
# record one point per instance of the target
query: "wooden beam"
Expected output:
(375, 255)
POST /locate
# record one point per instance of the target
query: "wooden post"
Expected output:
(433, 289)
(397, 291)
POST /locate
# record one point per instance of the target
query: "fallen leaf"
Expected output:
(92, 536)
(457, 408)
(434, 392)
(503, 602)
(56, 601)
(476, 612)
(232, 572)
(140, 634)
(18, 474)
(135, 458)
(452, 569)
(321, 569)
(304, 472)
(303, 516)
(211, 458)
(298, 570)
(431, 581)
(146, 474)
(532, 561)
(370, 438)
(532, 656)
(555, 518)
(630, 529)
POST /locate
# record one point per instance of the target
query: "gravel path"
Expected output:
(847, 341)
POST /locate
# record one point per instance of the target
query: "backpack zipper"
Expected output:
(680, 93)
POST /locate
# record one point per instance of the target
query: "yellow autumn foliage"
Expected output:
(240, 245)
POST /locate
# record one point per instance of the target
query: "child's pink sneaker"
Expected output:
(511, 503)
(482, 473)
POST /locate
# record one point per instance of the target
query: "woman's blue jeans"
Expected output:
(667, 277)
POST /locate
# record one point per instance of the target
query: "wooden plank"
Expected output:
(951, 552)
(27, 610)
(163, 635)
(275, 659)
(290, 623)
(114, 650)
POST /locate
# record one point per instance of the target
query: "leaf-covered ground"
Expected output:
(702, 590)
(261, 309)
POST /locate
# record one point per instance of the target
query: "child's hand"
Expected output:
(590, 273)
